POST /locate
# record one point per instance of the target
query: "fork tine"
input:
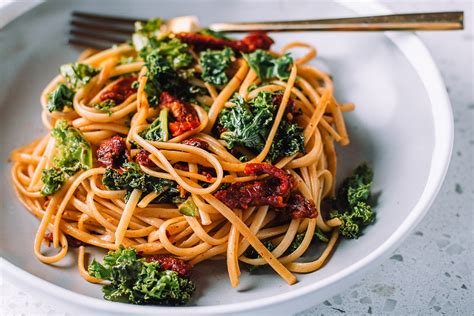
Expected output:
(87, 44)
(97, 36)
(101, 28)
(105, 18)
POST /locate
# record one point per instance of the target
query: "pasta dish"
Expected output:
(178, 148)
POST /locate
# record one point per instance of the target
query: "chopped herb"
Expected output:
(248, 124)
(253, 254)
(73, 151)
(124, 60)
(77, 75)
(131, 177)
(296, 242)
(60, 98)
(158, 130)
(352, 202)
(165, 60)
(318, 233)
(189, 208)
(213, 34)
(105, 106)
(134, 280)
(288, 141)
(266, 66)
(144, 32)
(214, 63)
(53, 179)
(299, 239)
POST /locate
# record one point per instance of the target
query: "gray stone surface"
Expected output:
(431, 273)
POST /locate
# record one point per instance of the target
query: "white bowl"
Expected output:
(402, 126)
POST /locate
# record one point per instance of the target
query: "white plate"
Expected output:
(402, 125)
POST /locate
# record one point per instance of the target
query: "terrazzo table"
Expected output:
(431, 272)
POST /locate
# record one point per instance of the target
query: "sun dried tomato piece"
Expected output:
(171, 263)
(113, 152)
(181, 166)
(257, 169)
(254, 41)
(196, 142)
(290, 110)
(250, 43)
(301, 207)
(272, 191)
(120, 91)
(143, 158)
(186, 118)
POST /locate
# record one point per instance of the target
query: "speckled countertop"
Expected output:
(431, 273)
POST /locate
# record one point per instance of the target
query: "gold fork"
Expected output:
(100, 31)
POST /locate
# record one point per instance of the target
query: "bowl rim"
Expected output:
(420, 59)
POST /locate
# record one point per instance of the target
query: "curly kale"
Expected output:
(318, 234)
(60, 98)
(158, 130)
(213, 33)
(166, 70)
(248, 124)
(266, 66)
(253, 254)
(214, 63)
(77, 75)
(73, 151)
(144, 32)
(53, 179)
(168, 61)
(132, 177)
(133, 280)
(296, 242)
(189, 208)
(288, 141)
(355, 212)
(105, 106)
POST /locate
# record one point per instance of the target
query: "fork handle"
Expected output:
(394, 22)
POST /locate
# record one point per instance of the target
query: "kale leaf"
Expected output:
(248, 124)
(213, 34)
(352, 202)
(144, 32)
(296, 242)
(318, 234)
(132, 177)
(214, 63)
(266, 66)
(158, 130)
(253, 254)
(288, 141)
(105, 106)
(77, 75)
(53, 179)
(60, 98)
(166, 60)
(133, 280)
(73, 151)
(189, 208)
